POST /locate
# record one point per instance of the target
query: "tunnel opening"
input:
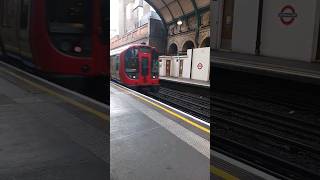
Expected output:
(187, 45)
(205, 42)
(173, 49)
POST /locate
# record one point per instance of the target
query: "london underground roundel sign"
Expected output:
(287, 15)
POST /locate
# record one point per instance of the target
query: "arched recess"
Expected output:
(173, 49)
(205, 42)
(187, 45)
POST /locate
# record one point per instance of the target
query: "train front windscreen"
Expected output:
(132, 63)
(69, 26)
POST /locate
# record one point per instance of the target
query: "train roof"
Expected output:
(123, 48)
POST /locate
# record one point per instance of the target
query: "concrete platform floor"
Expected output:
(147, 143)
(43, 137)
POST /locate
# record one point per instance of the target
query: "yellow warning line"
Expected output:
(101, 115)
(222, 174)
(171, 112)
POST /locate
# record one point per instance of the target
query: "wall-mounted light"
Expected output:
(179, 22)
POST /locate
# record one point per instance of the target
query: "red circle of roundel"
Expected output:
(287, 15)
(200, 66)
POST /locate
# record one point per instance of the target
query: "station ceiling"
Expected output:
(171, 11)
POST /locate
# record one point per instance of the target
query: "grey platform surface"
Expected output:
(276, 67)
(144, 143)
(186, 81)
(45, 138)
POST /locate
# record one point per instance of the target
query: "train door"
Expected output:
(155, 64)
(145, 62)
(180, 67)
(227, 24)
(24, 44)
(168, 65)
(144, 67)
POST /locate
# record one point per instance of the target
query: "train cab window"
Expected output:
(69, 25)
(132, 60)
(132, 63)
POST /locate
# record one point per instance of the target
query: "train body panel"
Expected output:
(67, 39)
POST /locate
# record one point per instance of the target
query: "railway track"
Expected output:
(194, 104)
(300, 96)
(267, 135)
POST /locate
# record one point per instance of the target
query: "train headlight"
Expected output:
(77, 49)
(153, 77)
(133, 77)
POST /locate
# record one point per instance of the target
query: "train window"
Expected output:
(67, 15)
(117, 62)
(69, 25)
(145, 49)
(131, 60)
(117, 65)
(24, 14)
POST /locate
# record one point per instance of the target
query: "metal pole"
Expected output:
(197, 28)
(191, 63)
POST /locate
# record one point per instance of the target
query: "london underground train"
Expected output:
(135, 66)
(63, 38)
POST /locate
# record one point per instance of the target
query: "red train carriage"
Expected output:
(56, 37)
(135, 66)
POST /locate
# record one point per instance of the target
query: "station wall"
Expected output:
(290, 28)
(245, 26)
(201, 64)
(175, 65)
(162, 64)
(196, 65)
(294, 40)
(187, 65)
